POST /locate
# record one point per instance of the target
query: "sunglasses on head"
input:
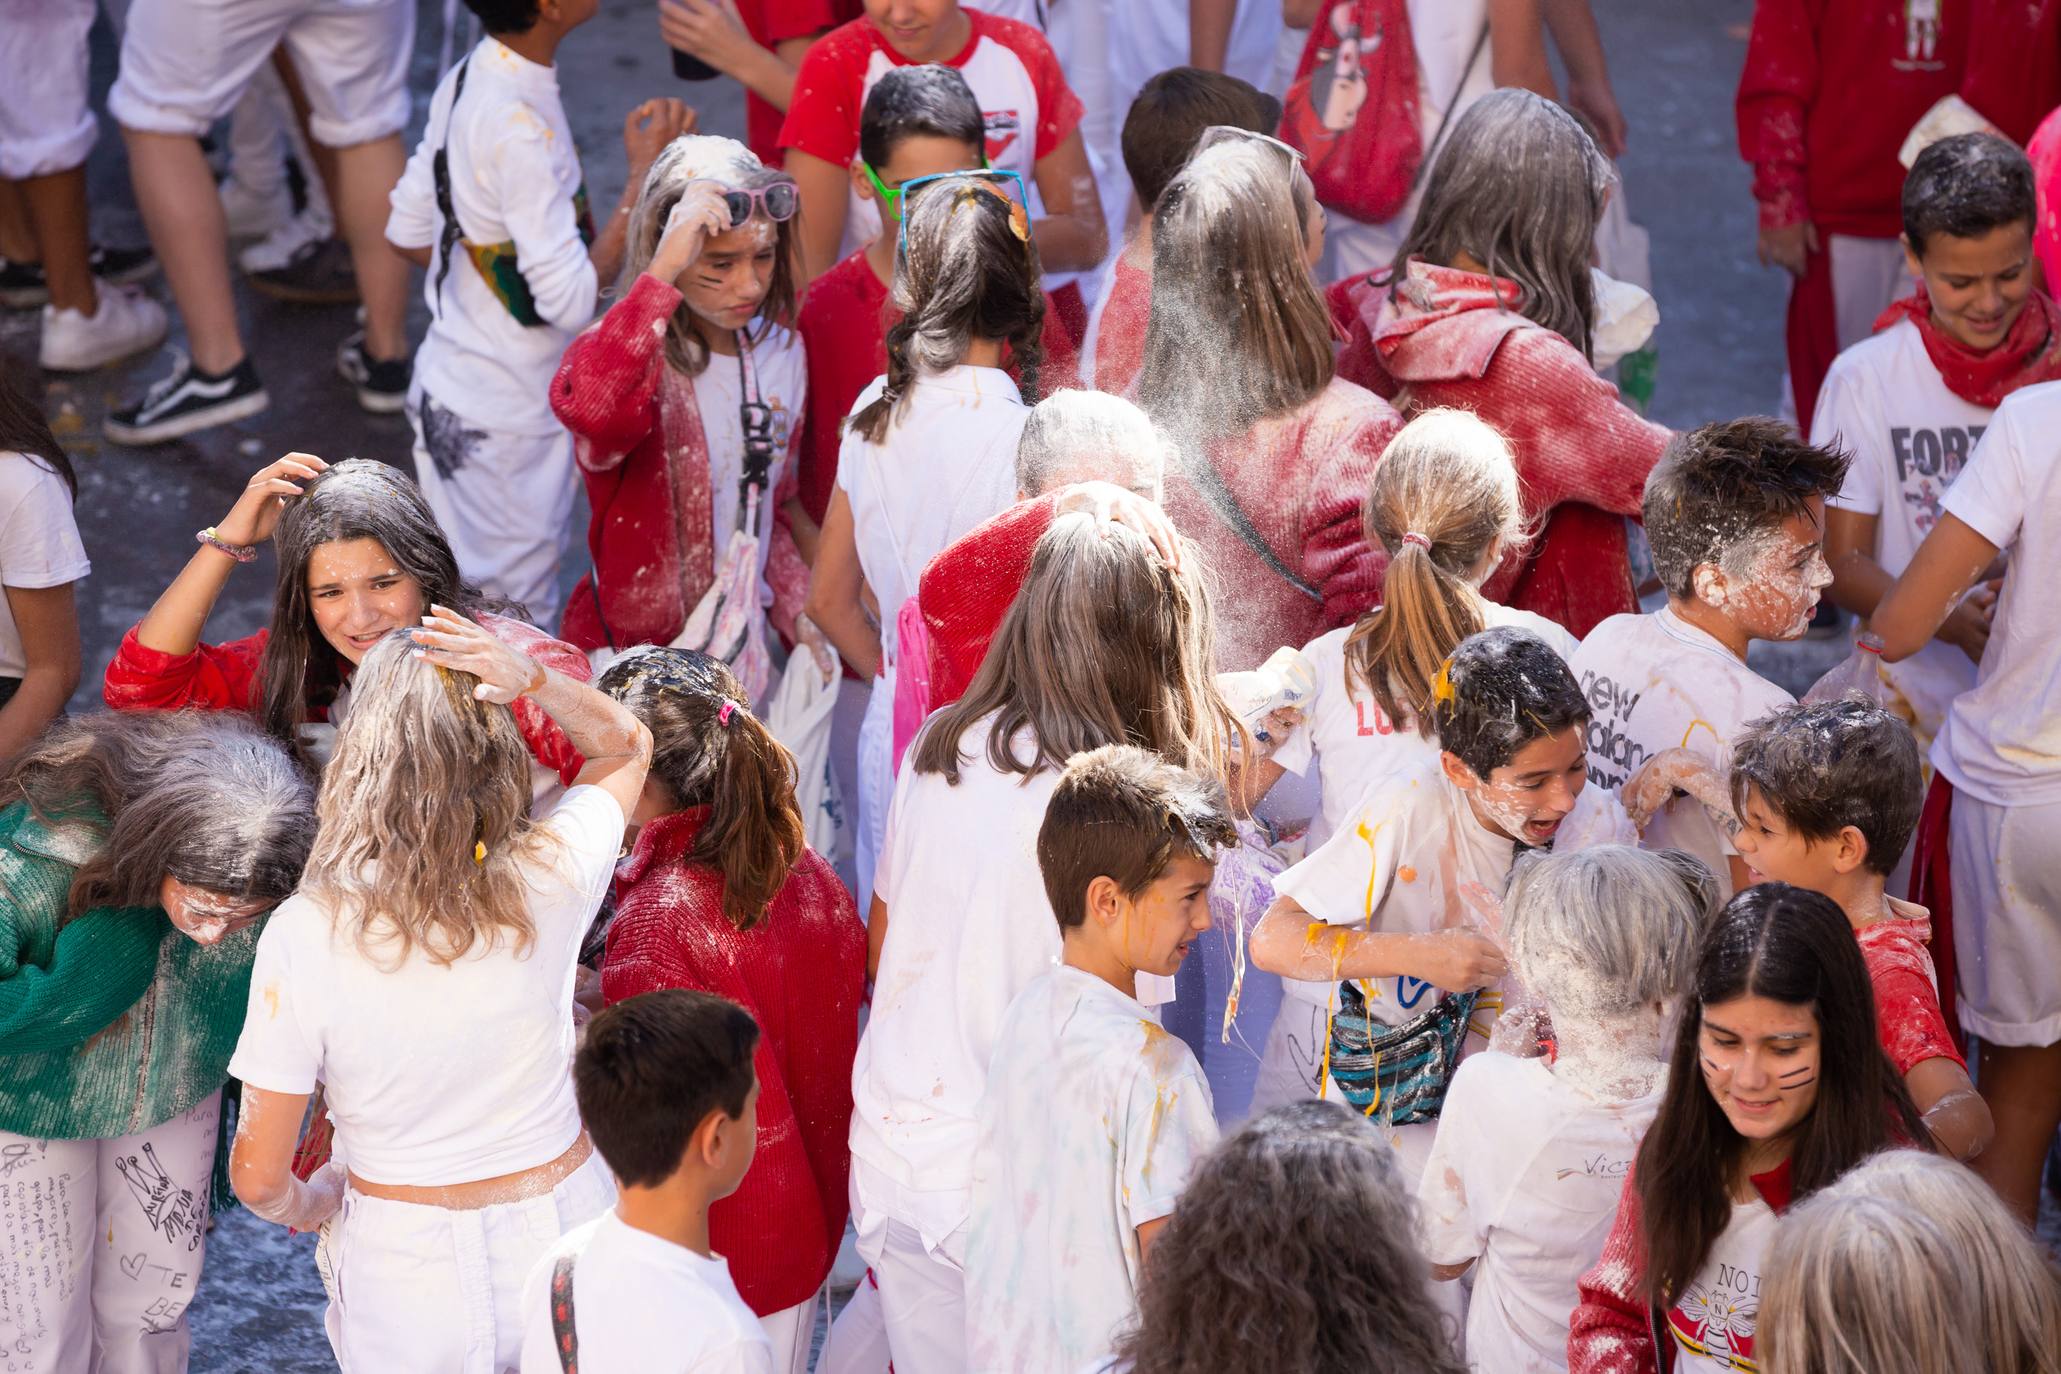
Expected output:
(779, 200)
(892, 195)
(1225, 133)
(994, 181)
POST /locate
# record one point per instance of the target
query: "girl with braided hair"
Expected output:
(930, 448)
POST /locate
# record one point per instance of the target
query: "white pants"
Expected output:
(1868, 275)
(2007, 919)
(101, 1243)
(46, 124)
(439, 1290)
(185, 63)
(505, 501)
(792, 1330)
(922, 1279)
(876, 782)
(857, 1343)
(262, 130)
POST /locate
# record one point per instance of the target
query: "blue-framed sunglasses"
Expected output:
(997, 180)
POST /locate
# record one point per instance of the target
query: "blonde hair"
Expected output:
(1105, 644)
(1909, 1264)
(423, 813)
(705, 157)
(1237, 331)
(1450, 479)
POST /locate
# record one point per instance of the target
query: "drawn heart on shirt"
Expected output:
(133, 1265)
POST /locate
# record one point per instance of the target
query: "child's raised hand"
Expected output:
(256, 513)
(1115, 505)
(650, 127)
(449, 640)
(712, 30)
(698, 216)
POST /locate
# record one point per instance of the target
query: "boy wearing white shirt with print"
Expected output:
(1093, 1115)
(667, 1090)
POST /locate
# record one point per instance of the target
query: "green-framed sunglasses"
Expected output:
(892, 195)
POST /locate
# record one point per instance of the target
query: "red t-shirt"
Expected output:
(1907, 1014)
(772, 22)
(1023, 94)
(844, 322)
(1120, 338)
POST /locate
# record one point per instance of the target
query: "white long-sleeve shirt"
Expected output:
(515, 179)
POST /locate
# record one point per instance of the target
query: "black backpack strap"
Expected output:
(1213, 488)
(1445, 121)
(440, 174)
(564, 1339)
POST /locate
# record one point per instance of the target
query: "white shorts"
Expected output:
(46, 124)
(101, 1244)
(185, 63)
(438, 1290)
(1868, 275)
(2007, 919)
(921, 1276)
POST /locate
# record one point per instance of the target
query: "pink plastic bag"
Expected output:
(912, 677)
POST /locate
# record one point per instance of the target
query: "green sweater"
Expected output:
(117, 1021)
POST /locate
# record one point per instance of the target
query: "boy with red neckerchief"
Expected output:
(1910, 402)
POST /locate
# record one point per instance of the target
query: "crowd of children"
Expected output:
(1215, 583)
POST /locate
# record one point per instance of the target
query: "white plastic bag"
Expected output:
(799, 717)
(1860, 671)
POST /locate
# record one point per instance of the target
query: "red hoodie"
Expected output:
(1452, 338)
(1830, 90)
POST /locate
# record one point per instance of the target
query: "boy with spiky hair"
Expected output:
(1094, 1115)
(1735, 515)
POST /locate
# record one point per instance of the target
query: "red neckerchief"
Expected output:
(2030, 351)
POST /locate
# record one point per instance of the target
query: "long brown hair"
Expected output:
(1237, 331)
(23, 428)
(201, 796)
(1444, 493)
(710, 750)
(1105, 644)
(959, 277)
(705, 157)
(425, 812)
(357, 498)
(1791, 946)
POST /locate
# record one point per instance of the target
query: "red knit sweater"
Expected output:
(968, 588)
(224, 677)
(1452, 339)
(1828, 93)
(799, 972)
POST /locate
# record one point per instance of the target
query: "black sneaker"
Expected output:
(187, 401)
(122, 266)
(318, 274)
(382, 383)
(22, 286)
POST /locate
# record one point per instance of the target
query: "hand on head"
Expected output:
(256, 513)
(699, 215)
(448, 640)
(650, 127)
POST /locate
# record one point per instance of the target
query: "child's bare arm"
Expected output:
(421, 257)
(836, 583)
(825, 201)
(1946, 565)
(1288, 941)
(1859, 583)
(1451, 1271)
(876, 937)
(1517, 47)
(1072, 236)
(1954, 1112)
(261, 1159)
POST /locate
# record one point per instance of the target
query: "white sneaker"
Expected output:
(127, 322)
(279, 248)
(254, 214)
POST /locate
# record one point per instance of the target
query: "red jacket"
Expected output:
(644, 458)
(1452, 339)
(1301, 478)
(1829, 92)
(844, 322)
(799, 972)
(1612, 1328)
(224, 677)
(1120, 340)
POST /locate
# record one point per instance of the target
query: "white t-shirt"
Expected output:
(969, 926)
(1524, 1177)
(642, 1303)
(1093, 1120)
(781, 369)
(1347, 735)
(438, 1073)
(1399, 863)
(515, 176)
(1714, 1320)
(948, 462)
(1656, 682)
(2002, 741)
(1885, 403)
(39, 543)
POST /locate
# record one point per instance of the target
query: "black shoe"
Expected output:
(22, 286)
(187, 401)
(318, 274)
(122, 266)
(382, 383)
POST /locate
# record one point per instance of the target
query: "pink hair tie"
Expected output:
(723, 715)
(1419, 540)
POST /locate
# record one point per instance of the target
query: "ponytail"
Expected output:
(958, 277)
(710, 750)
(1444, 496)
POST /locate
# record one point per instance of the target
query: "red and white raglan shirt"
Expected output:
(1024, 98)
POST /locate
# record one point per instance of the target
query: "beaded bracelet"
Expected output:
(242, 553)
